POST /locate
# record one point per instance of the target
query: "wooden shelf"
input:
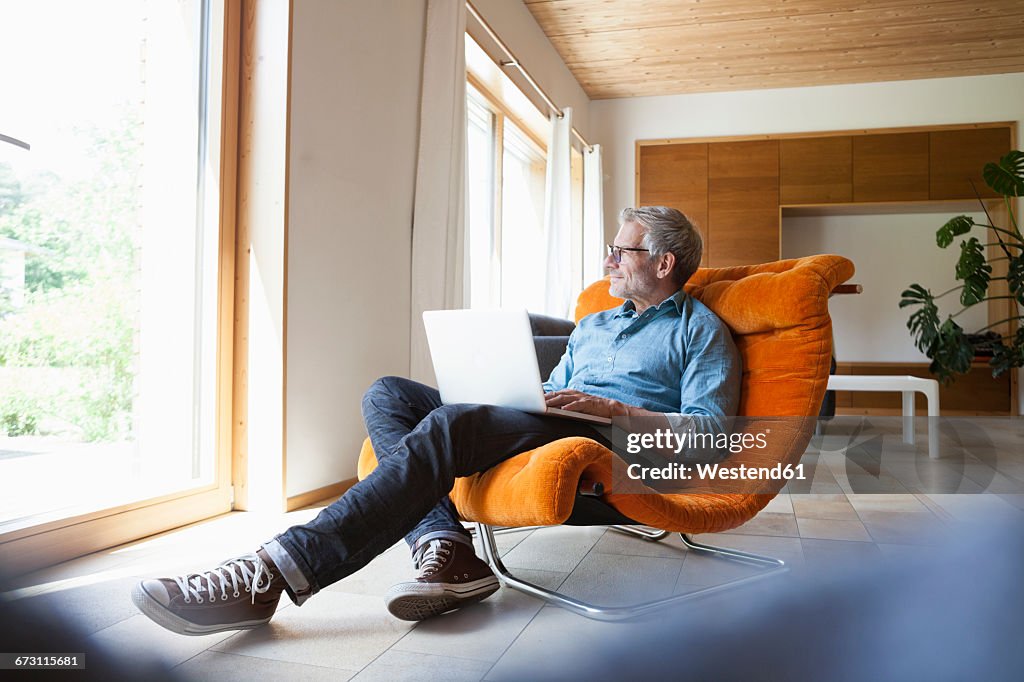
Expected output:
(950, 206)
(973, 393)
(897, 412)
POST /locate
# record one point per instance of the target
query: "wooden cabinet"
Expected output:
(957, 157)
(743, 203)
(816, 170)
(890, 167)
(676, 175)
(733, 189)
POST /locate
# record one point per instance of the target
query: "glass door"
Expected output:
(109, 234)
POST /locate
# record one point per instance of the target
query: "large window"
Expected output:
(506, 205)
(108, 253)
(507, 164)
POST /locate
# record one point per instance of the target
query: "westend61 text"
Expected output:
(707, 472)
(667, 439)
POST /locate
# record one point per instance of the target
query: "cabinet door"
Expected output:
(676, 175)
(743, 203)
(957, 157)
(890, 167)
(816, 170)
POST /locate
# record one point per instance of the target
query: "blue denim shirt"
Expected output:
(677, 357)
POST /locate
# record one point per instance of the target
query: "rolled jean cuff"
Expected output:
(299, 587)
(464, 537)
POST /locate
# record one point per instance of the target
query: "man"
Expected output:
(660, 352)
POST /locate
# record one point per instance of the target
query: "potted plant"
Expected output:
(950, 349)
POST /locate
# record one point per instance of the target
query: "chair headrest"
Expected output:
(752, 298)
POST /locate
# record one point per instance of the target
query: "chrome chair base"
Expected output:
(614, 613)
(649, 534)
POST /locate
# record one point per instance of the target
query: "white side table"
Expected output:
(906, 385)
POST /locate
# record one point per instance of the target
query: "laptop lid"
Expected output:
(485, 357)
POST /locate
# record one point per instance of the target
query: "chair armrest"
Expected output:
(543, 325)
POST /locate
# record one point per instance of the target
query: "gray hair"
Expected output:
(668, 230)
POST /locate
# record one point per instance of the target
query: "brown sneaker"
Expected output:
(450, 576)
(240, 594)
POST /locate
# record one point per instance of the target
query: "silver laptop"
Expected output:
(488, 357)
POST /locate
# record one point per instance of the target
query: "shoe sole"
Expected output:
(166, 618)
(419, 601)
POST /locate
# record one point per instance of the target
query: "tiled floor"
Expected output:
(345, 632)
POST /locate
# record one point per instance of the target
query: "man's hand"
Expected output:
(577, 401)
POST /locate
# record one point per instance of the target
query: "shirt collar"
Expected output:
(629, 308)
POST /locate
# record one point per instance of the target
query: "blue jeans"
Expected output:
(421, 447)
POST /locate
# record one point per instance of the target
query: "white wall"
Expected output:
(891, 252)
(356, 72)
(355, 89)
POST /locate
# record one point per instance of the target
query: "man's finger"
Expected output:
(579, 406)
(566, 392)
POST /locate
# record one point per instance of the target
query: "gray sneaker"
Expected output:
(450, 577)
(240, 594)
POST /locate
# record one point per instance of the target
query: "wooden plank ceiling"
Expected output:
(632, 48)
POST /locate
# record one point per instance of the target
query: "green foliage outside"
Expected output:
(67, 355)
(948, 346)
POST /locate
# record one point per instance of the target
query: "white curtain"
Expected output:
(438, 226)
(558, 217)
(593, 216)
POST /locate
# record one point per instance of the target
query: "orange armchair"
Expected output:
(778, 314)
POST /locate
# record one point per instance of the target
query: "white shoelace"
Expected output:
(234, 570)
(433, 556)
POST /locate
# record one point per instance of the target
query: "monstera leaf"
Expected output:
(1015, 277)
(1007, 176)
(924, 323)
(945, 343)
(974, 271)
(957, 226)
(1005, 357)
(951, 352)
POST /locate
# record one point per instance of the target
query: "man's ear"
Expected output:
(666, 265)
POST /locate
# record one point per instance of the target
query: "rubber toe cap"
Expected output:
(157, 591)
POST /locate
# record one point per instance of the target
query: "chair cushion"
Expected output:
(778, 314)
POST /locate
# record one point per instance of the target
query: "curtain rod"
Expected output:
(15, 141)
(514, 62)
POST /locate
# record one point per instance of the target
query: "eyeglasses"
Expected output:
(616, 251)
